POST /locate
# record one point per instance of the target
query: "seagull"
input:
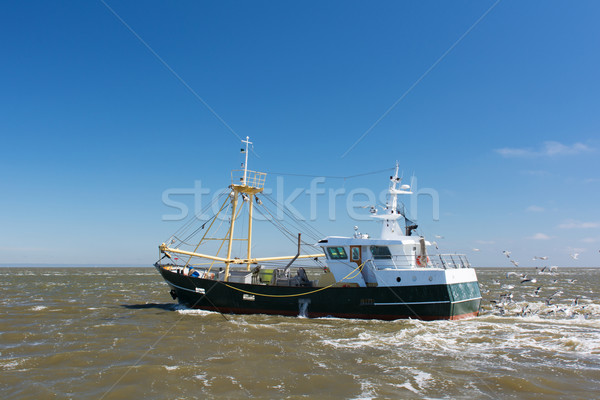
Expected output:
(572, 280)
(575, 301)
(557, 293)
(574, 256)
(511, 273)
(506, 253)
(439, 237)
(476, 250)
(528, 279)
(516, 264)
(507, 296)
(537, 291)
(540, 258)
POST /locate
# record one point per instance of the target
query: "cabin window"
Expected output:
(381, 252)
(337, 253)
(355, 254)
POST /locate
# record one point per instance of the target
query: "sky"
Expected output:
(107, 108)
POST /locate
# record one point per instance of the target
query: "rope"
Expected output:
(359, 269)
(206, 233)
(332, 177)
(300, 225)
(187, 225)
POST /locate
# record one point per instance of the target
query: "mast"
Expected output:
(247, 141)
(233, 213)
(393, 182)
(250, 208)
(247, 186)
(390, 216)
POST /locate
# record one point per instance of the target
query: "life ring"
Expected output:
(422, 261)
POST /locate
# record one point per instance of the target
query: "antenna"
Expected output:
(247, 141)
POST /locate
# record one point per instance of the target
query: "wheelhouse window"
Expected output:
(355, 251)
(381, 252)
(337, 253)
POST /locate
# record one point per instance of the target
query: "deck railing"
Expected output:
(253, 178)
(445, 261)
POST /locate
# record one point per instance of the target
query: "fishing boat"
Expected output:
(395, 276)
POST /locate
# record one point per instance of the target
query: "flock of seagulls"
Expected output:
(574, 256)
(549, 291)
(549, 294)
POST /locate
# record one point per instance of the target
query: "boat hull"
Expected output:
(425, 302)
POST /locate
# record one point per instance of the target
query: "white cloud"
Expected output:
(535, 209)
(573, 224)
(540, 236)
(548, 149)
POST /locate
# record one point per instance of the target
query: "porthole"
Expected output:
(398, 279)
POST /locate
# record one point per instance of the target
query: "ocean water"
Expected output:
(115, 333)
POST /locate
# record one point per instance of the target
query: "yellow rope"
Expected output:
(359, 268)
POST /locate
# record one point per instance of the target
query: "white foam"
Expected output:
(181, 309)
(202, 378)
(11, 364)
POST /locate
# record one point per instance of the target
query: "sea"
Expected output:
(115, 333)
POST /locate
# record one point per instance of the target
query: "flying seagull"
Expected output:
(528, 279)
(575, 256)
(506, 253)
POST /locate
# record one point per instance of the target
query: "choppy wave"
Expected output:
(78, 332)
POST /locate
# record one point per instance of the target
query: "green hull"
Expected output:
(427, 302)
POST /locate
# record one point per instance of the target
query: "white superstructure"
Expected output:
(395, 259)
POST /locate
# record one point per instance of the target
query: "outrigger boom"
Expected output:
(164, 249)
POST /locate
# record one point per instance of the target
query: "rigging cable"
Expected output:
(332, 177)
(301, 225)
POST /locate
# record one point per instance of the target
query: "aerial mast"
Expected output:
(247, 141)
(251, 183)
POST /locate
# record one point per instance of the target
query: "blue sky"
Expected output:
(504, 127)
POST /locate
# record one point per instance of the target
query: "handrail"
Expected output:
(401, 261)
(254, 179)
